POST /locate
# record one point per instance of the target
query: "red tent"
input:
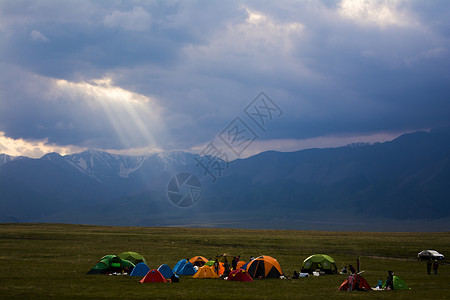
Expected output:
(239, 275)
(358, 283)
(153, 276)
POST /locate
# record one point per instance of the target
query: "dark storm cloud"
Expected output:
(333, 69)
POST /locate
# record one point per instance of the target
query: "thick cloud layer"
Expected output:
(173, 74)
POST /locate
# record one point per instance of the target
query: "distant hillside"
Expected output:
(405, 179)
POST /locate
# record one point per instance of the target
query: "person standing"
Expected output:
(357, 265)
(234, 263)
(429, 267)
(390, 280)
(435, 267)
(227, 268)
(351, 280)
(352, 269)
(216, 266)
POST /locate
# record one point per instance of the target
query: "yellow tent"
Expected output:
(206, 272)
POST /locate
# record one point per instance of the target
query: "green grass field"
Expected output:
(51, 260)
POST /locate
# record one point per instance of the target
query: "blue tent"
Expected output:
(179, 266)
(166, 271)
(244, 267)
(141, 269)
(188, 269)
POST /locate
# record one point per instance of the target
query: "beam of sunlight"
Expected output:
(135, 118)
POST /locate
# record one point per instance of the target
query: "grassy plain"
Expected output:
(50, 261)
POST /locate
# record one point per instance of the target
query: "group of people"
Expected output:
(352, 268)
(354, 283)
(435, 267)
(226, 265)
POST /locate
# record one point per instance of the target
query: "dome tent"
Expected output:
(153, 276)
(134, 257)
(188, 269)
(264, 267)
(358, 283)
(166, 271)
(205, 272)
(179, 265)
(198, 261)
(111, 263)
(141, 269)
(320, 262)
(399, 284)
(239, 275)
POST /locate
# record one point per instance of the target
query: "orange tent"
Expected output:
(264, 267)
(240, 264)
(198, 261)
(206, 272)
(153, 276)
(221, 268)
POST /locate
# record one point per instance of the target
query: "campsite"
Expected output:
(51, 261)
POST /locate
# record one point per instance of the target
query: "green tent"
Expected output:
(320, 262)
(210, 263)
(399, 284)
(134, 257)
(111, 263)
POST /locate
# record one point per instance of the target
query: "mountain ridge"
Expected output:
(403, 179)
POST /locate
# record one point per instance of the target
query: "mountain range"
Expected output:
(403, 184)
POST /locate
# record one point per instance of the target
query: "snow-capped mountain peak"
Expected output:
(104, 164)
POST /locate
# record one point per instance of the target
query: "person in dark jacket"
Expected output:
(435, 267)
(352, 269)
(234, 263)
(357, 265)
(390, 280)
(216, 266)
(429, 267)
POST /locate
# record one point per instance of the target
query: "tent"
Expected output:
(206, 272)
(240, 264)
(153, 276)
(239, 275)
(322, 262)
(244, 266)
(264, 267)
(399, 284)
(225, 258)
(141, 269)
(198, 261)
(188, 269)
(179, 265)
(358, 283)
(134, 257)
(166, 271)
(221, 268)
(111, 263)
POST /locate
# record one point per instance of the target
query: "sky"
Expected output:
(136, 77)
